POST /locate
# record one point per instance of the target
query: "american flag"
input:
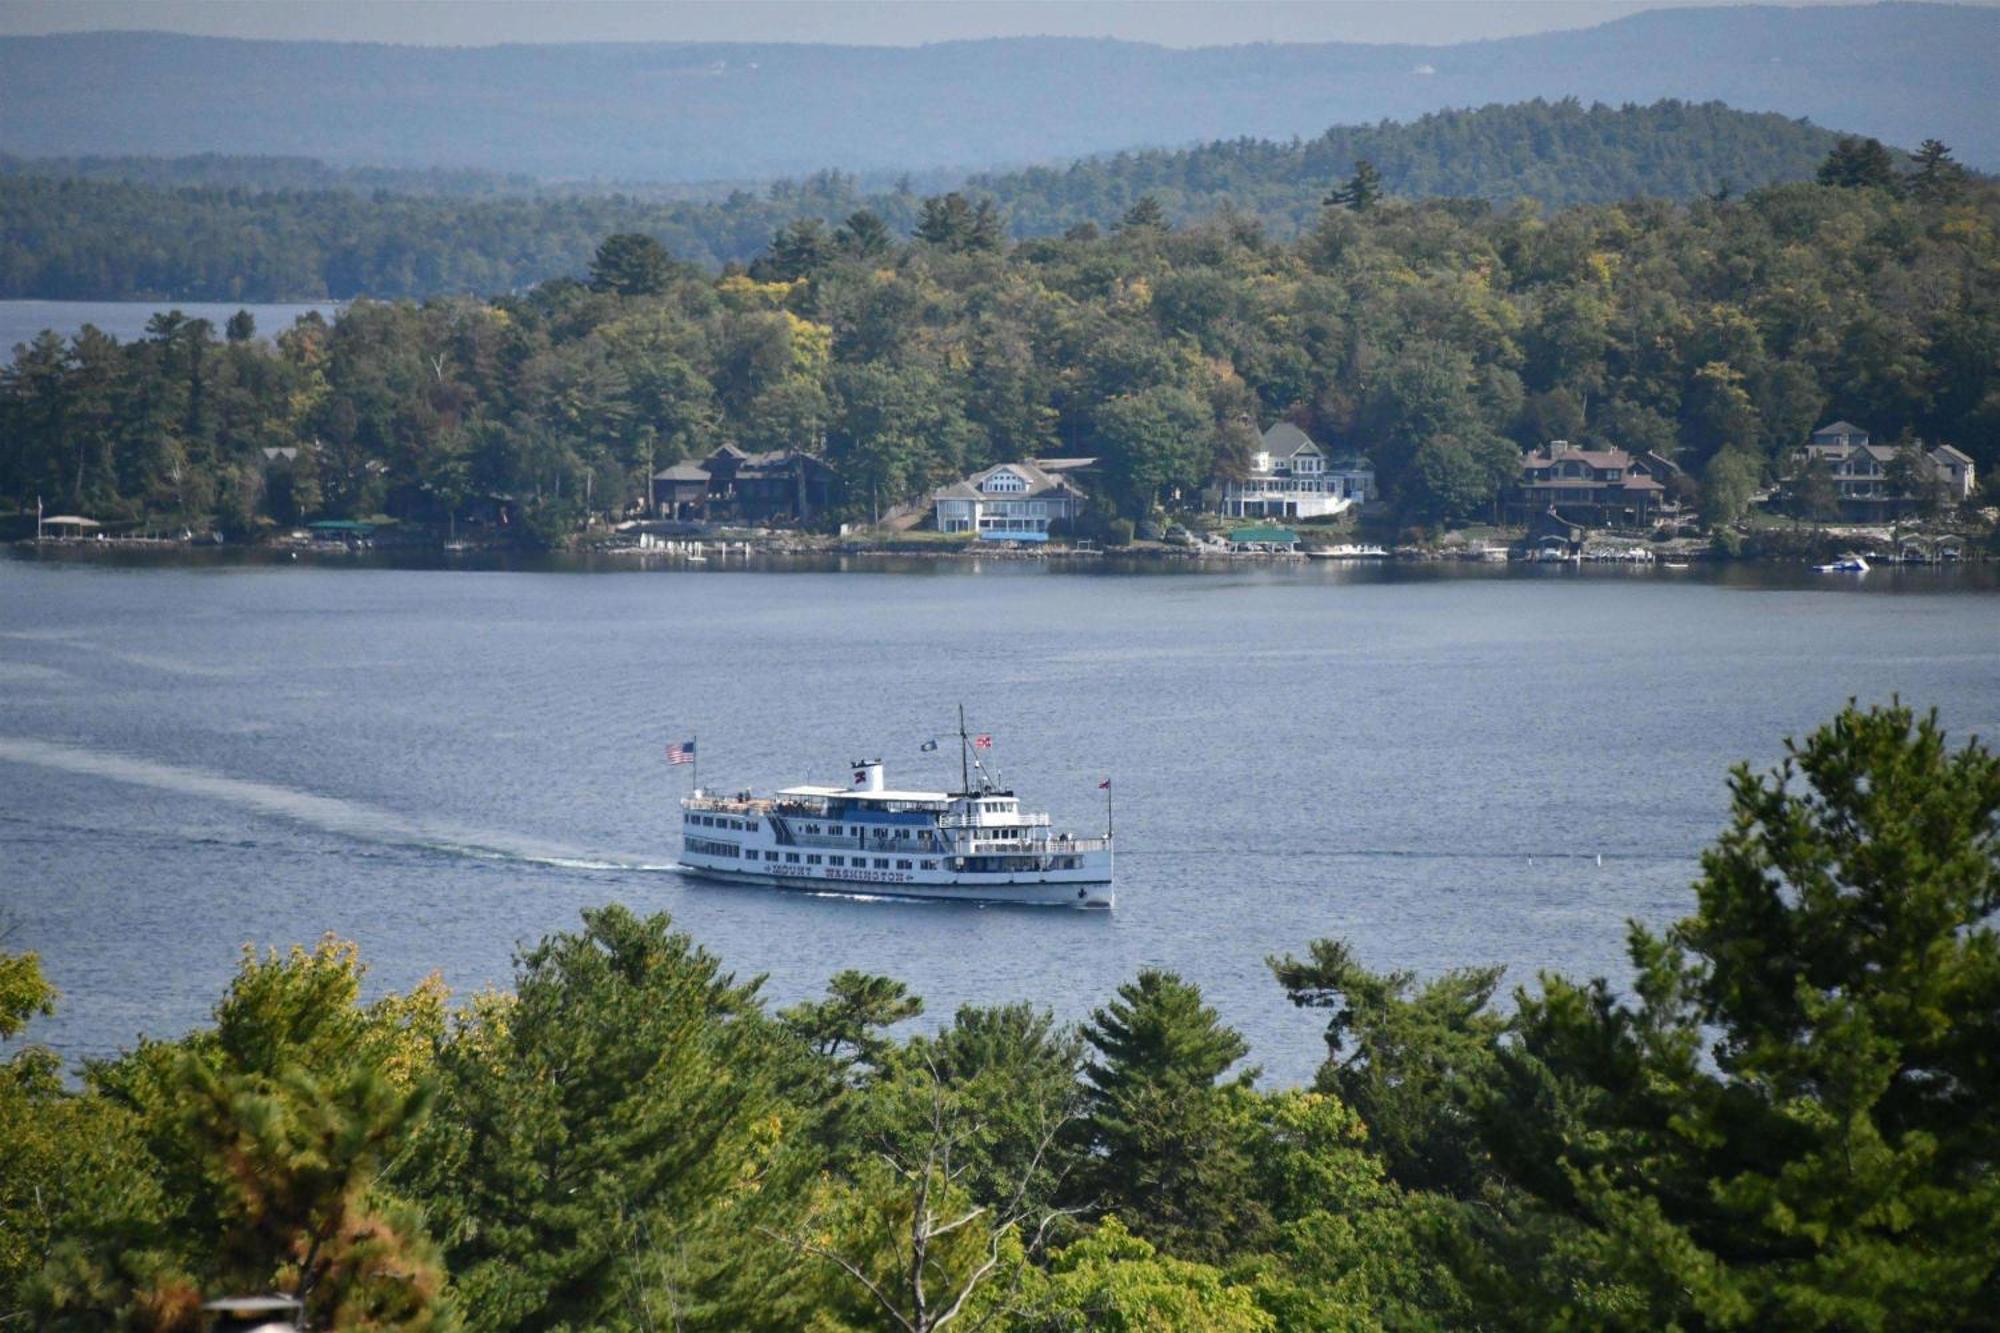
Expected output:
(982, 742)
(683, 753)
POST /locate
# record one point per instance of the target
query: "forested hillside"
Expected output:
(1437, 337)
(129, 231)
(1787, 1121)
(708, 111)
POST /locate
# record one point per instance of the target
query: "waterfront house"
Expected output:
(1010, 502)
(681, 492)
(1954, 472)
(1877, 482)
(1594, 487)
(780, 485)
(1292, 477)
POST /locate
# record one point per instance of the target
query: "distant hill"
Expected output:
(114, 235)
(686, 112)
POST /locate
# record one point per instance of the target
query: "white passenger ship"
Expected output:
(971, 845)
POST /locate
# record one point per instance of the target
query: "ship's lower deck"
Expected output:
(1083, 888)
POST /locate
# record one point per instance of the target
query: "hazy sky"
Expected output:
(874, 22)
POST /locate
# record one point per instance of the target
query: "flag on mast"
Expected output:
(982, 742)
(1104, 785)
(681, 753)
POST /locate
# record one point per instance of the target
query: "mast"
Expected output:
(964, 755)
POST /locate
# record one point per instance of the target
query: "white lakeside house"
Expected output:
(1291, 477)
(1010, 502)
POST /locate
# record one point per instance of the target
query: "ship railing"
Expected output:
(990, 821)
(728, 805)
(1032, 847)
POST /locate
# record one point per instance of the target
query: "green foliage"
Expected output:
(1788, 1123)
(24, 992)
(150, 228)
(593, 1130)
(1362, 191)
(846, 1027)
(1793, 1124)
(1857, 163)
(1168, 1138)
(1432, 337)
(244, 1157)
(631, 264)
(1110, 1279)
(1411, 1058)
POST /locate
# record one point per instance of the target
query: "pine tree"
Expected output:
(1362, 191)
(1145, 213)
(631, 264)
(1793, 1126)
(1169, 1140)
(1859, 163)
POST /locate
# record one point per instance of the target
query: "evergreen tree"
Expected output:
(1145, 212)
(631, 264)
(1856, 163)
(1937, 178)
(1362, 191)
(864, 235)
(1792, 1122)
(1169, 1139)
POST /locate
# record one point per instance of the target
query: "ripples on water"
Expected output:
(1444, 770)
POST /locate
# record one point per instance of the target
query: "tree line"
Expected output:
(1788, 1119)
(1437, 337)
(260, 229)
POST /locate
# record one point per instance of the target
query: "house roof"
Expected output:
(1284, 440)
(1595, 458)
(1952, 452)
(1842, 427)
(682, 472)
(1039, 482)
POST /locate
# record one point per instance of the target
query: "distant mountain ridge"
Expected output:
(686, 112)
(123, 235)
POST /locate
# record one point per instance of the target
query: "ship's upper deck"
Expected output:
(938, 798)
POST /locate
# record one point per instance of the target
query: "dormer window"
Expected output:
(1004, 483)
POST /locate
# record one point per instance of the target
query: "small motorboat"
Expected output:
(1847, 564)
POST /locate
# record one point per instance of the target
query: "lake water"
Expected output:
(1445, 769)
(20, 321)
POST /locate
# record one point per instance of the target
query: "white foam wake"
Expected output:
(352, 819)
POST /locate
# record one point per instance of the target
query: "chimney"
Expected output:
(867, 775)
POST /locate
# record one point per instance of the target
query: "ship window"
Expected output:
(836, 860)
(930, 865)
(792, 857)
(770, 856)
(902, 865)
(751, 825)
(881, 863)
(811, 860)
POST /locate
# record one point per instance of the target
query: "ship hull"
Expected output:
(1076, 890)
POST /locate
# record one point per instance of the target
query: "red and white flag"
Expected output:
(982, 742)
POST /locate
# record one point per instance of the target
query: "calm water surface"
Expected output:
(1445, 770)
